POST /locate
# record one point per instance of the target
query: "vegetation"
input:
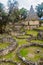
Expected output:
(3, 18)
(31, 53)
(31, 32)
(39, 9)
(40, 28)
(4, 45)
(37, 41)
(23, 13)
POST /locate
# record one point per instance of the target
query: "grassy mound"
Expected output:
(31, 53)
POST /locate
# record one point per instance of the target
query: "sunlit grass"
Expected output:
(21, 41)
(41, 28)
(31, 53)
(32, 32)
(4, 45)
(37, 41)
(23, 36)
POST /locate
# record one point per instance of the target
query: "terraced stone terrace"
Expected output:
(7, 62)
(32, 54)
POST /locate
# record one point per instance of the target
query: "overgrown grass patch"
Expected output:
(37, 41)
(31, 53)
(21, 41)
(32, 32)
(4, 45)
(24, 36)
(41, 28)
(23, 52)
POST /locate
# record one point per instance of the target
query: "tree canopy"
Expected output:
(13, 10)
(39, 9)
(3, 18)
(14, 14)
(23, 13)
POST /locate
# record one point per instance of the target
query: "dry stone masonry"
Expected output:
(23, 58)
(8, 61)
(10, 48)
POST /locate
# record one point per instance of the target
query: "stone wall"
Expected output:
(8, 61)
(28, 62)
(11, 47)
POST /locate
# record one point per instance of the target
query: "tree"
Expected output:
(3, 18)
(39, 9)
(13, 10)
(1, 7)
(23, 13)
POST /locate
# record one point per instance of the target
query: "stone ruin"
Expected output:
(29, 62)
(40, 62)
(8, 61)
(40, 35)
(11, 47)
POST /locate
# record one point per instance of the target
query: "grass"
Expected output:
(41, 28)
(37, 41)
(31, 53)
(24, 52)
(24, 36)
(21, 41)
(12, 55)
(4, 45)
(32, 32)
(9, 55)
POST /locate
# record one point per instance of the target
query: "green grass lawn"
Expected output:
(31, 53)
(32, 32)
(21, 41)
(4, 45)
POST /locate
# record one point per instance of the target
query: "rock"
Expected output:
(38, 51)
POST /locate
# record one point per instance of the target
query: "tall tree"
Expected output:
(13, 10)
(39, 9)
(23, 13)
(1, 7)
(2, 18)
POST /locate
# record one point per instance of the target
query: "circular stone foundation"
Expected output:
(9, 48)
(7, 62)
(29, 52)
